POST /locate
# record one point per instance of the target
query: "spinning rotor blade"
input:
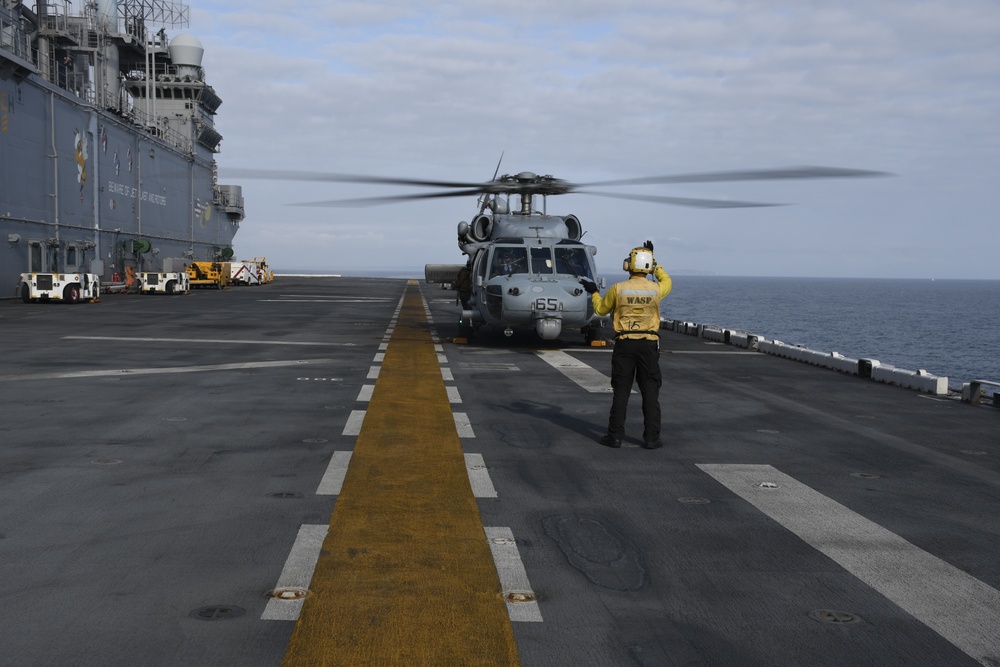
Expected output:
(788, 173)
(374, 201)
(278, 175)
(679, 201)
(527, 183)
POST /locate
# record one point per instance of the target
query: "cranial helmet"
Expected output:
(640, 260)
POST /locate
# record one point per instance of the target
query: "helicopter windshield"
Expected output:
(508, 260)
(573, 261)
(541, 260)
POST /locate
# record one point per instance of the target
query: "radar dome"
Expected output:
(186, 53)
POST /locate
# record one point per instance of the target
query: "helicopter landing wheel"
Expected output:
(595, 333)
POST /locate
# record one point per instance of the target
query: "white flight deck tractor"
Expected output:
(172, 282)
(68, 287)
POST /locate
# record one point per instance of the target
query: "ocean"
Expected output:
(947, 327)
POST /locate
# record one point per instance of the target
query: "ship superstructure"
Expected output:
(107, 142)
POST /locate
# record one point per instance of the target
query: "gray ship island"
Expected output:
(107, 145)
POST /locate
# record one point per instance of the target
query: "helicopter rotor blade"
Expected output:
(788, 173)
(280, 175)
(527, 184)
(374, 201)
(680, 201)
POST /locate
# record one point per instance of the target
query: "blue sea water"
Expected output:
(946, 327)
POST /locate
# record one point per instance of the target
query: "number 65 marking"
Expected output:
(547, 304)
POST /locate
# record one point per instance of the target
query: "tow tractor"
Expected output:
(171, 282)
(209, 274)
(68, 287)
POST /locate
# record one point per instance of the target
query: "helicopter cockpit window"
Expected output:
(574, 262)
(541, 260)
(508, 260)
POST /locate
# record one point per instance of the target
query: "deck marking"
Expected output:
(487, 366)
(442, 359)
(161, 371)
(317, 300)
(453, 395)
(745, 353)
(373, 372)
(365, 394)
(405, 575)
(333, 478)
(298, 572)
(589, 378)
(346, 299)
(479, 477)
(354, 422)
(379, 358)
(953, 603)
(227, 341)
(873, 433)
(513, 578)
(463, 425)
(446, 375)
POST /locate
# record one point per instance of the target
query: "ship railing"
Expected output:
(974, 392)
(142, 120)
(228, 198)
(14, 39)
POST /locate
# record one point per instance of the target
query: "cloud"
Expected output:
(591, 90)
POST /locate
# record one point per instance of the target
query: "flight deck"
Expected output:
(314, 472)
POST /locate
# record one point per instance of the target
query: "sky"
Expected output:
(589, 90)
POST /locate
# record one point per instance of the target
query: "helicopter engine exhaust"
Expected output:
(574, 229)
(480, 229)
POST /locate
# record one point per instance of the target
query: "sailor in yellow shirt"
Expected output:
(636, 306)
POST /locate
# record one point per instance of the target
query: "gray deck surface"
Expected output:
(159, 455)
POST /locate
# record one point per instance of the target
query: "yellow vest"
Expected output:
(637, 309)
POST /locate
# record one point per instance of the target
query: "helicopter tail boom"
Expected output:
(445, 274)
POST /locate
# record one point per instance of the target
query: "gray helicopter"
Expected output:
(524, 267)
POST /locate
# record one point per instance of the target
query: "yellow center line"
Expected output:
(405, 575)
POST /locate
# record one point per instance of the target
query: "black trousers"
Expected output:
(639, 361)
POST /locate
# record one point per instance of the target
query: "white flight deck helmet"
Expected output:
(640, 260)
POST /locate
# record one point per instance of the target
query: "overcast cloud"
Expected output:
(587, 90)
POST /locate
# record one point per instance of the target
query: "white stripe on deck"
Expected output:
(226, 341)
(125, 372)
(463, 425)
(354, 421)
(590, 379)
(297, 573)
(333, 478)
(510, 569)
(479, 477)
(957, 606)
(366, 392)
(453, 395)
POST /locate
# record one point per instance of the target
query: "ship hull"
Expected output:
(79, 177)
(107, 147)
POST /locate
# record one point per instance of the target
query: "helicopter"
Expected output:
(525, 268)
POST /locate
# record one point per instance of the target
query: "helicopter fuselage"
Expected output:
(532, 283)
(524, 272)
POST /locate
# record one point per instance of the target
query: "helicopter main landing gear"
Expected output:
(597, 334)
